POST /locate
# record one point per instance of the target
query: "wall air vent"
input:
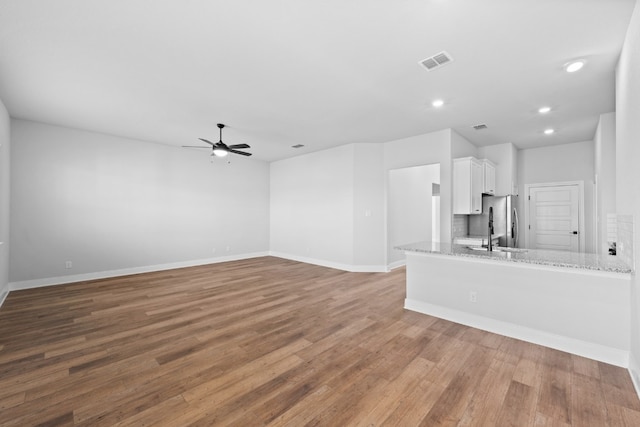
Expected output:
(436, 61)
(480, 126)
(297, 146)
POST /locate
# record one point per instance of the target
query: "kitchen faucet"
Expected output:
(489, 244)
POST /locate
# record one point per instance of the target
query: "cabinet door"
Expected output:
(467, 186)
(462, 186)
(476, 187)
(488, 178)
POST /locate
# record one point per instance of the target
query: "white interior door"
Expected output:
(554, 213)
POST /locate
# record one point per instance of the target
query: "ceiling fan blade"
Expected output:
(208, 142)
(197, 146)
(242, 153)
(239, 146)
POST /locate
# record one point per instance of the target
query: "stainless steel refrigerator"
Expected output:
(505, 220)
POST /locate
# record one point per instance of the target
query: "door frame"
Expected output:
(581, 226)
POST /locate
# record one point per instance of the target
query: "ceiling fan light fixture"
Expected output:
(220, 149)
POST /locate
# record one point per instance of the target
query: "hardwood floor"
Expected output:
(275, 342)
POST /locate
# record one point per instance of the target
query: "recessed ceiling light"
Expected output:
(548, 131)
(438, 103)
(544, 110)
(574, 66)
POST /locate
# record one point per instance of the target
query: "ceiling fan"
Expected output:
(220, 149)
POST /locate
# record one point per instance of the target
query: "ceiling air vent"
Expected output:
(480, 126)
(436, 61)
(297, 146)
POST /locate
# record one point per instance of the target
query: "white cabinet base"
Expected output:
(579, 311)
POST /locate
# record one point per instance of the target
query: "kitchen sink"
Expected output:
(481, 248)
(496, 249)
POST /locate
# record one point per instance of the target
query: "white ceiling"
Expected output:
(320, 73)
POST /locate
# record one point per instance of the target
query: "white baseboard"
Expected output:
(338, 266)
(613, 356)
(3, 296)
(634, 372)
(397, 264)
(49, 281)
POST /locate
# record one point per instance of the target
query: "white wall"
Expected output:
(605, 175)
(505, 157)
(461, 147)
(108, 203)
(559, 163)
(312, 206)
(4, 200)
(369, 213)
(410, 206)
(426, 149)
(330, 207)
(627, 164)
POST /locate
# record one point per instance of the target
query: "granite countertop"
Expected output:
(587, 261)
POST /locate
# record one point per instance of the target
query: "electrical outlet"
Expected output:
(473, 296)
(68, 264)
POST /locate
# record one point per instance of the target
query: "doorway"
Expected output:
(555, 216)
(412, 208)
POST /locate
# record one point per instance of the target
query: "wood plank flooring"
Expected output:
(271, 342)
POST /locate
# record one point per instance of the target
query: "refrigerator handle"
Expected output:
(515, 228)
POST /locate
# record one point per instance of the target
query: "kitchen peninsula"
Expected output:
(574, 302)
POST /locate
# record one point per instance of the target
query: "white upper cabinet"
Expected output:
(488, 177)
(468, 182)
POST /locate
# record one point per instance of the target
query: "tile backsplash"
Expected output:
(460, 225)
